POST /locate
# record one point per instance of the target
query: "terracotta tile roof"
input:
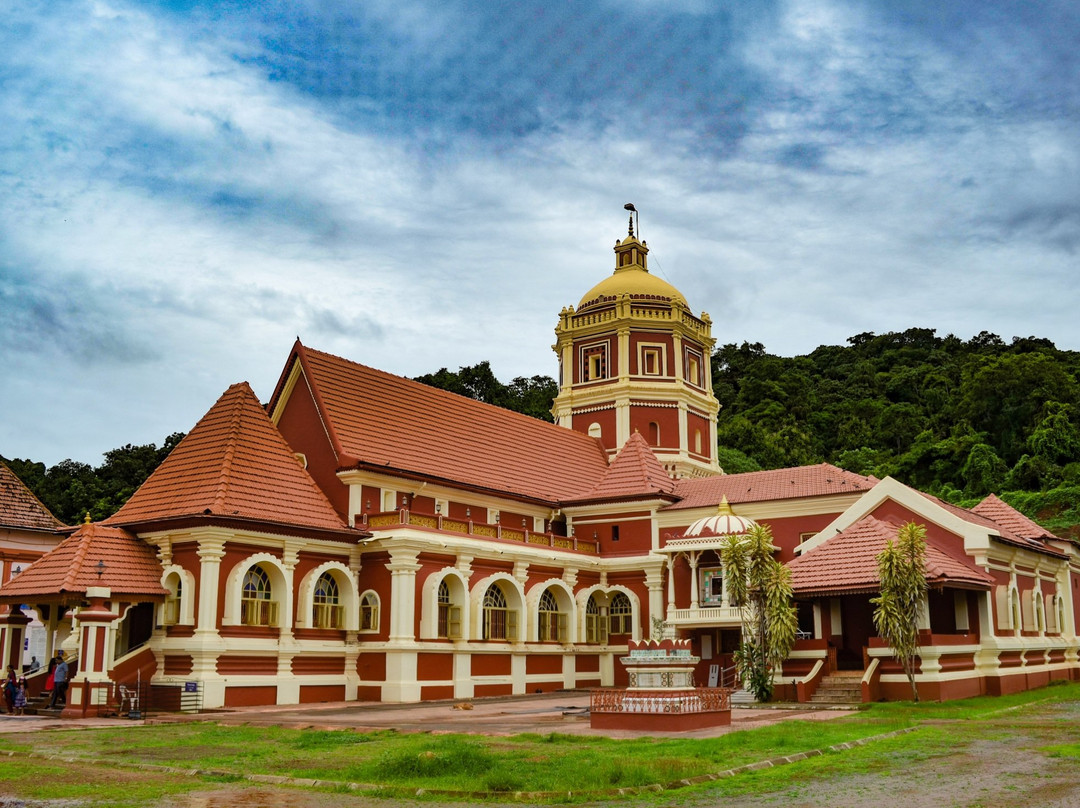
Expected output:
(378, 419)
(847, 563)
(635, 472)
(1004, 514)
(233, 464)
(19, 508)
(1005, 534)
(760, 486)
(63, 574)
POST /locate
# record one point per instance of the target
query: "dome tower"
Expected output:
(632, 358)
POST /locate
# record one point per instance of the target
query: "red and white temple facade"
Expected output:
(364, 536)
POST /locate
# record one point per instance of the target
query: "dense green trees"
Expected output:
(531, 396)
(70, 489)
(958, 419)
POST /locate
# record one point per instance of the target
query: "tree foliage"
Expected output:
(531, 396)
(953, 418)
(71, 489)
(902, 570)
(761, 588)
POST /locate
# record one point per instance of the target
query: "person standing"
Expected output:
(60, 681)
(11, 683)
(20, 698)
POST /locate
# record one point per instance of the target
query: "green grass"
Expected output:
(554, 763)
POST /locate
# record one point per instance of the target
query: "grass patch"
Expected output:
(553, 762)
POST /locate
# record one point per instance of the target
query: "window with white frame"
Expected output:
(693, 368)
(257, 604)
(596, 627)
(369, 612)
(620, 614)
(651, 360)
(594, 362)
(170, 613)
(449, 616)
(500, 621)
(551, 622)
(327, 611)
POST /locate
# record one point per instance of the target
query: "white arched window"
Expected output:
(326, 610)
(449, 613)
(369, 611)
(500, 621)
(596, 627)
(620, 614)
(170, 612)
(551, 623)
(257, 604)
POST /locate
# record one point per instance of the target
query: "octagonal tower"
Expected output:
(632, 358)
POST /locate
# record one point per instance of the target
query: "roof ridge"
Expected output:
(79, 555)
(230, 451)
(439, 392)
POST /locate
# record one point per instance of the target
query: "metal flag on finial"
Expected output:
(633, 211)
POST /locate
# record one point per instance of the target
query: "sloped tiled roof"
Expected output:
(130, 567)
(760, 486)
(377, 419)
(847, 562)
(233, 464)
(1004, 514)
(635, 472)
(19, 508)
(1005, 533)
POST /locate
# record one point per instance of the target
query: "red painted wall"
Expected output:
(606, 419)
(303, 431)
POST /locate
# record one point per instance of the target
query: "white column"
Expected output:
(403, 568)
(692, 559)
(210, 553)
(654, 582)
(670, 589)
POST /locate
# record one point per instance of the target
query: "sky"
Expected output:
(186, 187)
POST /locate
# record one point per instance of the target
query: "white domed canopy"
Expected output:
(723, 523)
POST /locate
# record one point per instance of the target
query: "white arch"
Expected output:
(187, 594)
(607, 591)
(348, 598)
(564, 596)
(515, 600)
(234, 585)
(429, 602)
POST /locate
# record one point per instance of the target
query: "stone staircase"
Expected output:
(742, 698)
(39, 705)
(841, 687)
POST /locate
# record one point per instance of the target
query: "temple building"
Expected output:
(362, 536)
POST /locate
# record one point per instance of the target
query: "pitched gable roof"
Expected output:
(634, 473)
(760, 486)
(234, 464)
(129, 567)
(1004, 514)
(19, 508)
(377, 420)
(847, 563)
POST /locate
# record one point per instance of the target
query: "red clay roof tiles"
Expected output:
(19, 508)
(233, 464)
(847, 562)
(1004, 514)
(635, 472)
(760, 486)
(130, 567)
(377, 419)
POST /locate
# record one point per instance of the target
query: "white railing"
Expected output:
(706, 615)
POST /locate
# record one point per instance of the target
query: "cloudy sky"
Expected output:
(185, 187)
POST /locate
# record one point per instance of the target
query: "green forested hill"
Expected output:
(953, 418)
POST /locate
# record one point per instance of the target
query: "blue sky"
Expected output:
(187, 186)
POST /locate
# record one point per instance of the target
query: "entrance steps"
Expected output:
(742, 698)
(841, 687)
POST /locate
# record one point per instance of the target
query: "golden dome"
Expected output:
(631, 277)
(633, 281)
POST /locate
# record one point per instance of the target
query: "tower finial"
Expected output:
(86, 519)
(630, 207)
